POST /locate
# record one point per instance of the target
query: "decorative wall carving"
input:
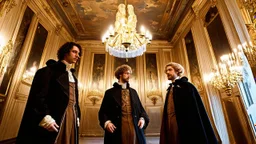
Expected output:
(6, 6)
(252, 31)
(20, 39)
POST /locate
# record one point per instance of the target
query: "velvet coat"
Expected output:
(111, 109)
(49, 95)
(194, 126)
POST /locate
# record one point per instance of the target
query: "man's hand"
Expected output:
(110, 127)
(141, 123)
(52, 127)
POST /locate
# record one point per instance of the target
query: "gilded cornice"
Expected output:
(42, 9)
(197, 6)
(160, 44)
(185, 23)
(91, 43)
(98, 44)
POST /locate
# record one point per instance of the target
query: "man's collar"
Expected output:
(176, 79)
(68, 66)
(124, 85)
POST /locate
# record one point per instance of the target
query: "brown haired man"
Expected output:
(185, 120)
(121, 114)
(52, 112)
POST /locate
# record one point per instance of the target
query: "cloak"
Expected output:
(111, 109)
(49, 95)
(194, 126)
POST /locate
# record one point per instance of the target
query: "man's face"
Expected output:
(73, 55)
(171, 73)
(125, 76)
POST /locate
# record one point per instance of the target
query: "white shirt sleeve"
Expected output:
(47, 120)
(106, 123)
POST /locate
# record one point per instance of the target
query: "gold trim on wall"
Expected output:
(6, 6)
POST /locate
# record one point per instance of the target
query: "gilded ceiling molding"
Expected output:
(197, 6)
(44, 9)
(158, 43)
(6, 6)
(186, 21)
(98, 44)
(58, 29)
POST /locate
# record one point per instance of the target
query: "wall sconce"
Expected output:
(5, 55)
(94, 96)
(250, 52)
(227, 73)
(154, 95)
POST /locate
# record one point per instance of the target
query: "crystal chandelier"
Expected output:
(227, 73)
(122, 40)
(250, 52)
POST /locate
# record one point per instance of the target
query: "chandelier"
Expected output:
(122, 40)
(250, 52)
(227, 73)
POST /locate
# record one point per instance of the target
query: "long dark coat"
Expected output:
(111, 109)
(49, 95)
(194, 126)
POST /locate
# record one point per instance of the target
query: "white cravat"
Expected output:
(68, 67)
(124, 85)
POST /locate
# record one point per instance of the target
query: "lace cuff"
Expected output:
(47, 120)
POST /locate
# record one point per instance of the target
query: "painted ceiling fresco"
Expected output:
(89, 19)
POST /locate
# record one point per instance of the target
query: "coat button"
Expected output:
(135, 116)
(116, 106)
(118, 117)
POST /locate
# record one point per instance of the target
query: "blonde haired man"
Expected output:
(121, 114)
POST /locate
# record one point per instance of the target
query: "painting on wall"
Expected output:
(35, 54)
(11, 67)
(20, 39)
(219, 40)
(96, 89)
(151, 70)
(193, 64)
(132, 63)
(98, 72)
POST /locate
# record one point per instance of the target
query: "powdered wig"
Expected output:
(177, 67)
(121, 69)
